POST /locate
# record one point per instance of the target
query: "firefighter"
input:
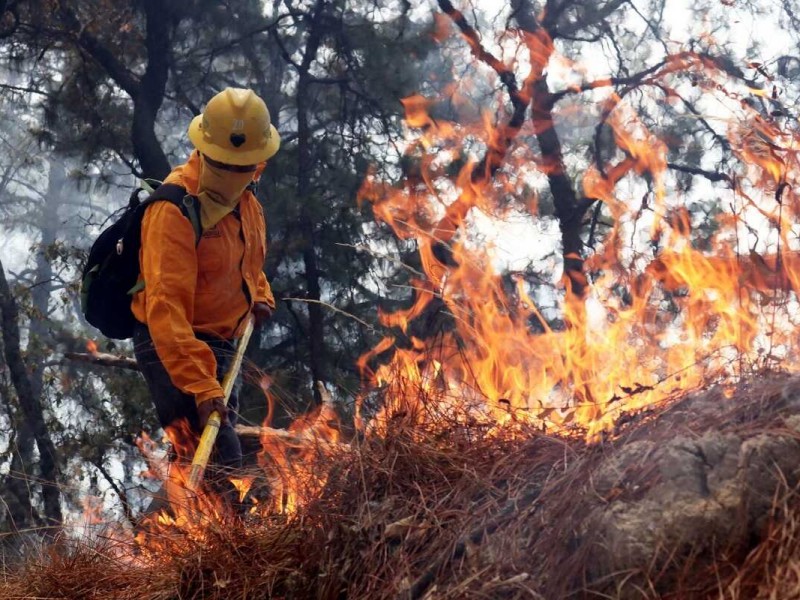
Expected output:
(198, 293)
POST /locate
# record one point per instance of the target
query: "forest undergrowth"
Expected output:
(465, 512)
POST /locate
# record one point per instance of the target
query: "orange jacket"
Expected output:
(207, 289)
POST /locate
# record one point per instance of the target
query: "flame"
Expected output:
(668, 308)
(650, 327)
(91, 347)
(156, 463)
(92, 510)
(188, 512)
(242, 485)
(292, 462)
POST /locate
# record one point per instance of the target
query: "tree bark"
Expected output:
(30, 403)
(316, 333)
(147, 92)
(20, 514)
(150, 93)
(22, 471)
(570, 209)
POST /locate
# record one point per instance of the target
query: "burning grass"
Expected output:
(692, 500)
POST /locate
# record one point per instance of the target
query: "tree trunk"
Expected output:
(22, 469)
(30, 403)
(316, 333)
(20, 515)
(569, 210)
(150, 94)
(43, 284)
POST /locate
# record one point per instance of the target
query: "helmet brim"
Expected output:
(231, 156)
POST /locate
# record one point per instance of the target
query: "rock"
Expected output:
(700, 494)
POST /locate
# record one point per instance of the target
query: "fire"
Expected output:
(242, 485)
(156, 462)
(660, 316)
(92, 510)
(91, 347)
(187, 511)
(293, 462)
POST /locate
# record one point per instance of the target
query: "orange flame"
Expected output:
(651, 327)
(292, 461)
(663, 313)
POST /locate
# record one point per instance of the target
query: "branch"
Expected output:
(100, 53)
(292, 440)
(121, 494)
(236, 41)
(30, 403)
(650, 25)
(473, 39)
(285, 52)
(598, 17)
(721, 140)
(495, 155)
(332, 307)
(103, 359)
(710, 175)
(25, 90)
(631, 80)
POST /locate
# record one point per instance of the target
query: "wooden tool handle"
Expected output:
(209, 436)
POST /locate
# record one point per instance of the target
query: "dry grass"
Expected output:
(451, 513)
(771, 570)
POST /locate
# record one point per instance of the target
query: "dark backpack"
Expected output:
(109, 279)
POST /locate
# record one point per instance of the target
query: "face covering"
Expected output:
(219, 191)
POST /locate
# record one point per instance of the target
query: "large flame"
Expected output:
(660, 317)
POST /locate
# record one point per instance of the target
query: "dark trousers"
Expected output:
(173, 405)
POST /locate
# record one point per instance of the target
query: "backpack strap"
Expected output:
(187, 203)
(176, 194)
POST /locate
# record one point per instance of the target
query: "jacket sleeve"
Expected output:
(169, 269)
(264, 291)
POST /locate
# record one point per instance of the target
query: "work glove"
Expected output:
(262, 313)
(204, 410)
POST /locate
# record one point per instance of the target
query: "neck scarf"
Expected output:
(219, 191)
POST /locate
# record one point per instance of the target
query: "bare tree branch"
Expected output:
(103, 359)
(710, 175)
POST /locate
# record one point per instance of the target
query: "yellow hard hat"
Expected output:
(235, 129)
